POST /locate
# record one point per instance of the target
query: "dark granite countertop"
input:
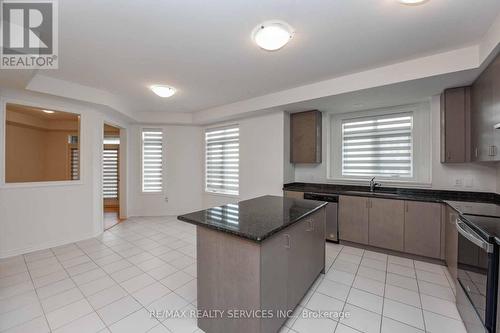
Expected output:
(255, 219)
(475, 208)
(396, 193)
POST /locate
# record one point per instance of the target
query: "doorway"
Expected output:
(111, 176)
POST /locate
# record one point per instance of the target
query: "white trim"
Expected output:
(47, 245)
(421, 145)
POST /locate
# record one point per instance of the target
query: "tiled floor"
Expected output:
(110, 283)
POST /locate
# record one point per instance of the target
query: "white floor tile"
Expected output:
(20, 315)
(340, 276)
(151, 293)
(365, 300)
(436, 290)
(371, 273)
(93, 287)
(115, 311)
(87, 324)
(440, 306)
(404, 313)
(361, 319)
(137, 322)
(38, 325)
(320, 302)
(402, 281)
(369, 285)
(55, 288)
(334, 289)
(188, 291)
(402, 295)
(107, 296)
(57, 301)
(307, 324)
(393, 326)
(176, 280)
(68, 313)
(435, 323)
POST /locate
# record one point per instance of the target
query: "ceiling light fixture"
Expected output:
(412, 2)
(163, 91)
(48, 111)
(272, 35)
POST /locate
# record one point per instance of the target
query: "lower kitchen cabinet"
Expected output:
(423, 228)
(451, 241)
(353, 219)
(386, 223)
(413, 227)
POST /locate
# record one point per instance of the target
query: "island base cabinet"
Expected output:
(237, 274)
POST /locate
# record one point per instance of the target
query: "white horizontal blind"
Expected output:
(378, 146)
(110, 173)
(222, 149)
(152, 157)
(75, 164)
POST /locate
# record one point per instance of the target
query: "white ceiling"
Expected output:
(204, 49)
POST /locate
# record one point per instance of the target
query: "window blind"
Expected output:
(378, 146)
(152, 157)
(222, 160)
(110, 173)
(75, 164)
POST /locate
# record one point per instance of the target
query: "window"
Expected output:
(110, 166)
(152, 157)
(378, 146)
(222, 149)
(392, 144)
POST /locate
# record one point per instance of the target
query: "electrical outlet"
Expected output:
(459, 182)
(469, 182)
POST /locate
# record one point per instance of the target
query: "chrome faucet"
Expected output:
(373, 184)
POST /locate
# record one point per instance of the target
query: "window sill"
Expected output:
(222, 194)
(41, 184)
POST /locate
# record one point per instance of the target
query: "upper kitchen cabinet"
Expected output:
(485, 114)
(455, 125)
(305, 137)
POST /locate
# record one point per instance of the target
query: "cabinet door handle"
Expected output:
(287, 241)
(367, 203)
(311, 225)
(406, 206)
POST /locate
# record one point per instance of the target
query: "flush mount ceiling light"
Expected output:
(412, 2)
(48, 111)
(163, 91)
(272, 35)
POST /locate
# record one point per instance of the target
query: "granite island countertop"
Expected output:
(255, 219)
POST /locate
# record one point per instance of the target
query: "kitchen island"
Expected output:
(256, 259)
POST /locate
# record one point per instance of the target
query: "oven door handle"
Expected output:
(471, 235)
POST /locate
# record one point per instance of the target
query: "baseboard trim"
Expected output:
(43, 246)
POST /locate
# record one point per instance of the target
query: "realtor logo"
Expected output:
(29, 34)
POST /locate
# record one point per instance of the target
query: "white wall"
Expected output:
(261, 158)
(182, 177)
(39, 216)
(474, 176)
